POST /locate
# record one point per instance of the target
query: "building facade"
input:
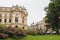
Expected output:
(14, 16)
(39, 26)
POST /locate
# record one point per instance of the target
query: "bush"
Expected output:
(1, 28)
(21, 32)
(3, 35)
(12, 32)
(32, 32)
(40, 32)
(16, 32)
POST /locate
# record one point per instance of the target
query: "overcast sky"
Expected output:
(35, 8)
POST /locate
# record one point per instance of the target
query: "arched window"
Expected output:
(23, 20)
(5, 20)
(23, 27)
(0, 20)
(16, 19)
(16, 26)
(10, 20)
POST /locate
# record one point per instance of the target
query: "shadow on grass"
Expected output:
(13, 38)
(18, 38)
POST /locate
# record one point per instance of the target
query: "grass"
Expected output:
(38, 37)
(42, 37)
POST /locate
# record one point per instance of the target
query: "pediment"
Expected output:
(15, 9)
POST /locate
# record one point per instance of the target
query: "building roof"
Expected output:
(18, 8)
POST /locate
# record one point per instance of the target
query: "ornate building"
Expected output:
(14, 16)
(39, 26)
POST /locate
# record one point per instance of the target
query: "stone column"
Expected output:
(7, 19)
(13, 18)
(2, 18)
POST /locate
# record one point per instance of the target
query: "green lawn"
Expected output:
(42, 37)
(38, 37)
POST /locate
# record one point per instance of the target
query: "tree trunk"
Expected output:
(57, 31)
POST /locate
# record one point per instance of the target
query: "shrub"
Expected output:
(3, 35)
(1, 28)
(32, 32)
(21, 32)
(12, 32)
(16, 32)
(40, 32)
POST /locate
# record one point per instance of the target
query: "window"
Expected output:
(16, 19)
(16, 26)
(0, 20)
(0, 15)
(10, 20)
(23, 27)
(5, 20)
(23, 20)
